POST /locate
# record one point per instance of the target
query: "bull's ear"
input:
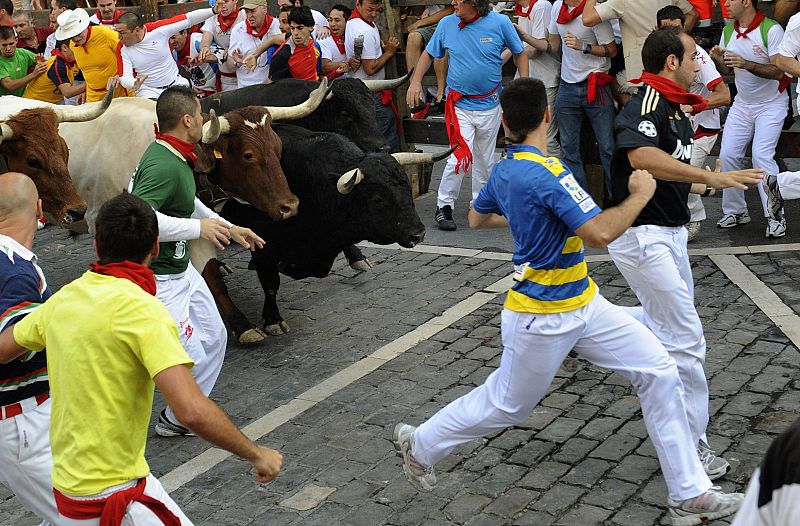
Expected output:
(205, 159)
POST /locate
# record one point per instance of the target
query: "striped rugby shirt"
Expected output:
(544, 205)
(22, 289)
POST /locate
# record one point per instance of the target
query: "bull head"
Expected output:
(349, 180)
(380, 85)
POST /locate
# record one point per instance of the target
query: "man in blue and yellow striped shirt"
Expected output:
(554, 307)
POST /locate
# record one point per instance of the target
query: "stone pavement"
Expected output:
(581, 458)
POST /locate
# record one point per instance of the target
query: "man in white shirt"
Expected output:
(146, 51)
(107, 13)
(217, 32)
(373, 56)
(246, 36)
(759, 108)
(334, 57)
(705, 119)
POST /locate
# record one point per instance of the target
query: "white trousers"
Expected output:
(153, 92)
(553, 147)
(26, 463)
(701, 149)
(137, 514)
(789, 185)
(761, 123)
(200, 327)
(655, 262)
(479, 129)
(534, 345)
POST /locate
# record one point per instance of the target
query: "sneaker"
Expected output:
(732, 220)
(167, 428)
(774, 199)
(421, 477)
(713, 504)
(444, 218)
(775, 229)
(715, 466)
(693, 229)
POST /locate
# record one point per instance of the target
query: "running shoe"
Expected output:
(715, 466)
(421, 477)
(775, 229)
(732, 220)
(167, 428)
(711, 505)
(444, 218)
(774, 198)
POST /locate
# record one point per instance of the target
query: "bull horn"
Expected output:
(6, 132)
(84, 112)
(315, 98)
(406, 158)
(215, 127)
(380, 85)
(349, 180)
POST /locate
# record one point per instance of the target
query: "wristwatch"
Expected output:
(587, 48)
(708, 191)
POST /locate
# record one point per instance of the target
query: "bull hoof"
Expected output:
(361, 265)
(253, 335)
(276, 329)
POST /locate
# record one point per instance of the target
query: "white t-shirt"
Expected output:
(545, 67)
(790, 44)
(320, 20)
(575, 66)
(329, 50)
(751, 89)
(372, 46)
(222, 40)
(707, 78)
(247, 43)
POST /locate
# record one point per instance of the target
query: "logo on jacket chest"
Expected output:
(681, 152)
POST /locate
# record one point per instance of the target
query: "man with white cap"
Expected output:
(146, 51)
(95, 50)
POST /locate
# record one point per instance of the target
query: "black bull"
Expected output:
(379, 209)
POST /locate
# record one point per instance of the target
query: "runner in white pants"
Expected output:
(553, 307)
(759, 108)
(653, 133)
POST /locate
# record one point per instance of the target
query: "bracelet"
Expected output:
(587, 48)
(708, 191)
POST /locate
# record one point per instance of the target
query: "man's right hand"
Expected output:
(267, 464)
(215, 231)
(414, 94)
(40, 68)
(642, 184)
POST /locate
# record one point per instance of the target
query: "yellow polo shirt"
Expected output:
(97, 59)
(43, 88)
(106, 340)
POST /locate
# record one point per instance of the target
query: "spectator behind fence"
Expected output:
(107, 13)
(419, 34)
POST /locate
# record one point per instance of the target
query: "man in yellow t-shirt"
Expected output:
(103, 372)
(95, 50)
(59, 81)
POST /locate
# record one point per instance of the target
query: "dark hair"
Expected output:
(482, 6)
(60, 43)
(524, 102)
(301, 16)
(72, 5)
(7, 32)
(670, 12)
(346, 11)
(126, 229)
(131, 20)
(173, 104)
(287, 9)
(755, 3)
(659, 45)
(8, 5)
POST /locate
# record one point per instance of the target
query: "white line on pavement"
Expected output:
(764, 298)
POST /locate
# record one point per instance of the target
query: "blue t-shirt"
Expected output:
(544, 205)
(474, 63)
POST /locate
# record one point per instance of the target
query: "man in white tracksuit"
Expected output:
(759, 108)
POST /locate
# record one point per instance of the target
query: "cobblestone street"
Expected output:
(422, 328)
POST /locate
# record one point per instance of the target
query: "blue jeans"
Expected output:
(387, 124)
(571, 106)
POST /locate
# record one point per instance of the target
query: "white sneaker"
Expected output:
(774, 198)
(732, 220)
(693, 230)
(714, 466)
(713, 504)
(421, 477)
(775, 229)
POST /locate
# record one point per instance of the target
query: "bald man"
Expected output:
(24, 397)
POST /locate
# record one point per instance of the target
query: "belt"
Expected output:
(17, 408)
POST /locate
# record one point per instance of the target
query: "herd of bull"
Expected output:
(311, 189)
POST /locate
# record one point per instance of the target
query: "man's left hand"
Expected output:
(246, 237)
(732, 60)
(391, 45)
(323, 32)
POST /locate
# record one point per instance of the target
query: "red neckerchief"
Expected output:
(267, 23)
(111, 510)
(356, 14)
(185, 52)
(754, 24)
(226, 22)
(565, 17)
(112, 20)
(186, 149)
(464, 23)
(524, 14)
(671, 91)
(60, 54)
(339, 41)
(462, 152)
(129, 270)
